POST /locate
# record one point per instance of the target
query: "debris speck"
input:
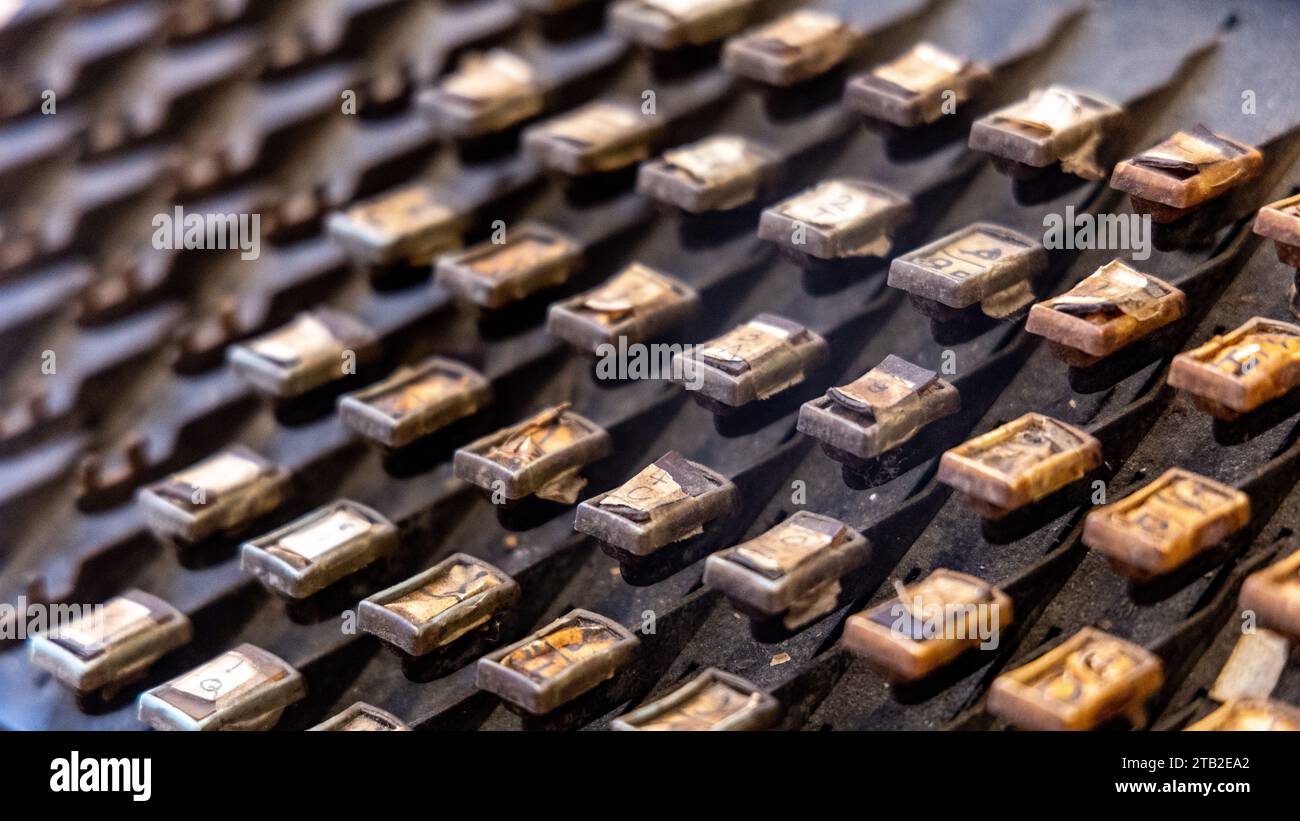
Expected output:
(779, 658)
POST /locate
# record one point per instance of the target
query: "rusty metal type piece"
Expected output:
(1087, 680)
(1172, 179)
(880, 410)
(558, 663)
(713, 701)
(928, 624)
(1110, 309)
(1019, 463)
(1237, 372)
(918, 87)
(539, 456)
(430, 610)
(1163, 525)
(671, 499)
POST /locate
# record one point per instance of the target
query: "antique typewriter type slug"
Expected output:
(713, 701)
(670, 500)
(1021, 462)
(1170, 180)
(1087, 680)
(1109, 310)
(792, 571)
(983, 264)
(540, 456)
(362, 717)
(558, 663)
(929, 624)
(753, 362)
(1237, 372)
(836, 220)
(106, 649)
(912, 89)
(796, 47)
(1163, 525)
(433, 609)
(1054, 125)
(245, 688)
(879, 411)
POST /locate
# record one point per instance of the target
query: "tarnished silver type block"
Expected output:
(430, 610)
(752, 362)
(712, 701)
(880, 410)
(112, 643)
(792, 570)
(670, 500)
(222, 494)
(541, 455)
(319, 549)
(558, 663)
(245, 688)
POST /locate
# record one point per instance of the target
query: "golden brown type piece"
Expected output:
(929, 624)
(1280, 222)
(1237, 372)
(1082, 683)
(1109, 310)
(1172, 179)
(1273, 594)
(1019, 463)
(1251, 715)
(1163, 525)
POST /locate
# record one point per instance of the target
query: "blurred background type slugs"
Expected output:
(649, 364)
